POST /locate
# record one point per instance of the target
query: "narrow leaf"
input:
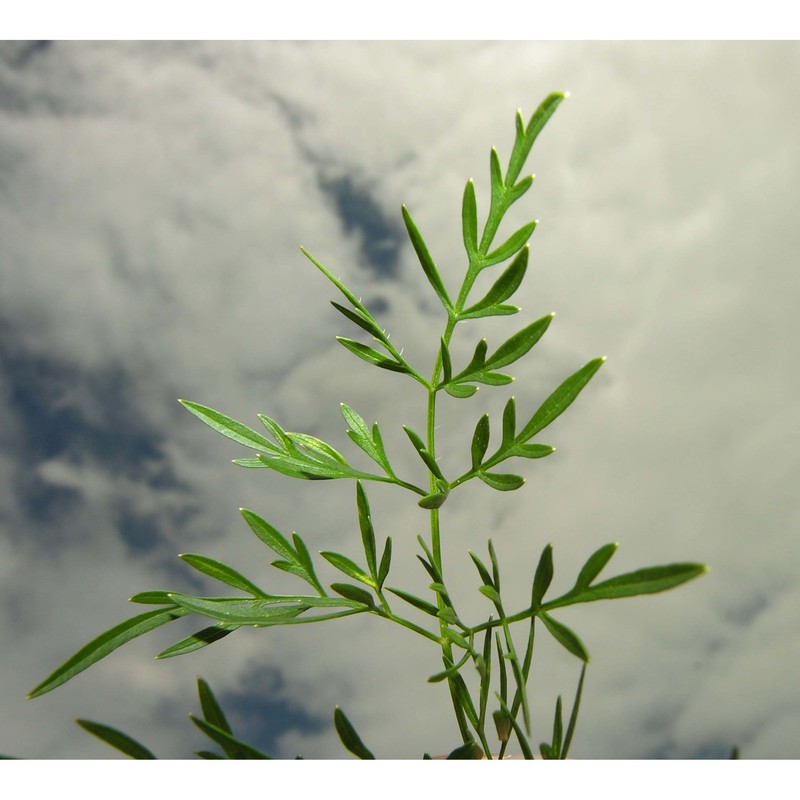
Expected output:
(355, 594)
(350, 739)
(348, 567)
(417, 602)
(469, 219)
(447, 364)
(234, 747)
(490, 592)
(543, 576)
(526, 135)
(366, 323)
(386, 562)
(502, 482)
(428, 265)
(198, 640)
(212, 711)
(460, 391)
(370, 355)
(229, 427)
(573, 717)
(514, 243)
(118, 740)
(480, 441)
(316, 448)
(595, 564)
(564, 636)
(557, 729)
(106, 643)
(644, 581)
(221, 572)
(367, 531)
(262, 611)
(151, 598)
(481, 567)
(509, 422)
(519, 344)
(560, 399)
(530, 451)
(496, 175)
(271, 538)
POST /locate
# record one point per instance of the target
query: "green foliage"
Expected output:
(488, 646)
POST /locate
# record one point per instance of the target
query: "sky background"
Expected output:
(153, 198)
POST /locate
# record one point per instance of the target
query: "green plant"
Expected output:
(501, 699)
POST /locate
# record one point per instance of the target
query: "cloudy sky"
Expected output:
(153, 198)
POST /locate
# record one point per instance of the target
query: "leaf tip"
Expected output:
(565, 95)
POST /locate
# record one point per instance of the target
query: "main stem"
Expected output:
(436, 552)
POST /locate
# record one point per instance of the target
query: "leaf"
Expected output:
(370, 355)
(457, 639)
(500, 310)
(221, 572)
(271, 538)
(360, 597)
(229, 427)
(530, 451)
(519, 344)
(495, 566)
(481, 567)
(460, 391)
(573, 717)
(233, 747)
(564, 636)
(447, 364)
(594, 565)
(151, 599)
(542, 577)
(496, 176)
(386, 561)
(491, 378)
(557, 729)
(423, 453)
(198, 640)
(262, 611)
(469, 220)
(526, 135)
(490, 592)
(212, 712)
(117, 739)
(560, 399)
(514, 243)
(417, 602)
(348, 567)
(509, 422)
(502, 482)
(354, 301)
(428, 265)
(367, 531)
(316, 448)
(366, 323)
(249, 463)
(106, 643)
(350, 739)
(643, 581)
(433, 501)
(480, 441)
